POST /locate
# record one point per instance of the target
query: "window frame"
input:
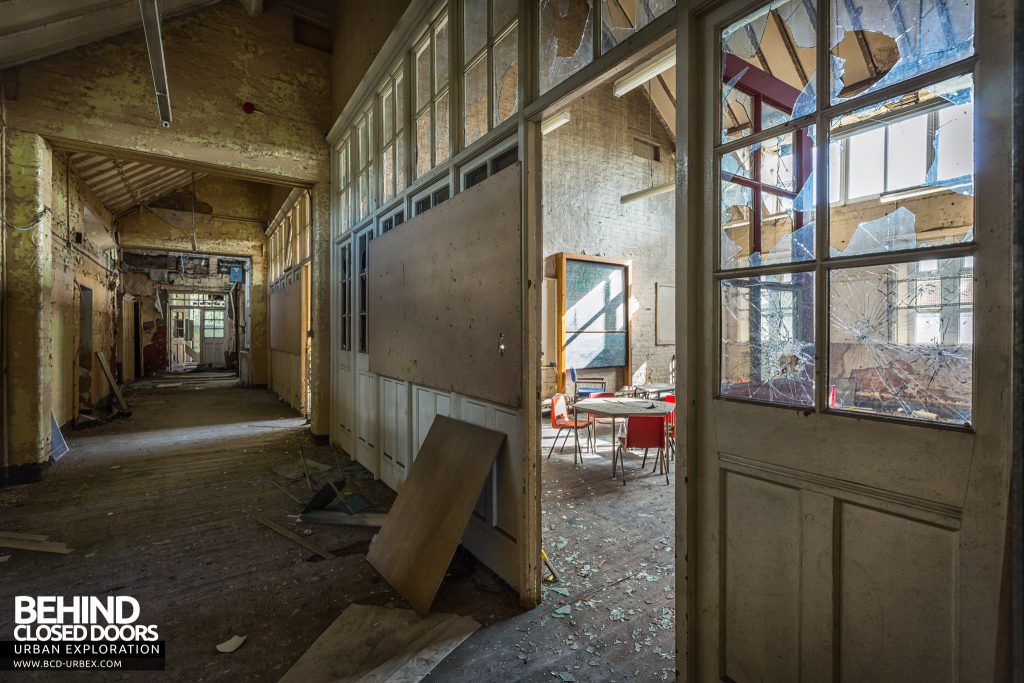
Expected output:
(427, 40)
(824, 263)
(393, 90)
(491, 37)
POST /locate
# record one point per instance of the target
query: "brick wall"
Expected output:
(588, 164)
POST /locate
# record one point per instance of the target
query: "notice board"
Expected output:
(445, 294)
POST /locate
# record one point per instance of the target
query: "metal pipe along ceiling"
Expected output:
(154, 45)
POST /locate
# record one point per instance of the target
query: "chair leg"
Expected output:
(551, 450)
(644, 463)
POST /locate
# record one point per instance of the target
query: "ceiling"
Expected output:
(122, 185)
(32, 29)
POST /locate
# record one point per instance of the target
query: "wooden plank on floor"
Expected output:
(121, 403)
(378, 644)
(38, 546)
(23, 537)
(416, 543)
(304, 542)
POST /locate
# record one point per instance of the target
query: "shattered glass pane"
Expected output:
(876, 43)
(768, 338)
(904, 172)
(901, 339)
(622, 18)
(566, 39)
(769, 57)
(767, 202)
(475, 94)
(506, 76)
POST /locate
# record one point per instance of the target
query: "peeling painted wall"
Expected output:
(217, 59)
(588, 165)
(75, 266)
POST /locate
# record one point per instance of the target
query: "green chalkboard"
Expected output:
(595, 318)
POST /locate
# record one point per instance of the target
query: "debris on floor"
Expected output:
(42, 544)
(295, 471)
(380, 644)
(231, 644)
(291, 536)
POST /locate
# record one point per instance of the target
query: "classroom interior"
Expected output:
(537, 339)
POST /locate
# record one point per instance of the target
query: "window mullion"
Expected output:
(823, 72)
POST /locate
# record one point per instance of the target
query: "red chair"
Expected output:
(561, 421)
(645, 432)
(602, 420)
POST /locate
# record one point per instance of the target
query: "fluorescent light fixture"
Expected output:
(154, 45)
(649, 192)
(556, 121)
(659, 63)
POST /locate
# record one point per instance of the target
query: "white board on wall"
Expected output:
(664, 314)
(445, 294)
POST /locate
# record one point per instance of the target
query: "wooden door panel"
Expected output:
(896, 597)
(761, 582)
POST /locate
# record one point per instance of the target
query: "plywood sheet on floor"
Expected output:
(418, 539)
(376, 644)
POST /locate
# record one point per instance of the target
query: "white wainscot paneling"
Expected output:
(395, 431)
(368, 425)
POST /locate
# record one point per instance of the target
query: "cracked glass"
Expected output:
(767, 202)
(901, 339)
(767, 344)
(622, 18)
(768, 65)
(874, 44)
(566, 42)
(902, 172)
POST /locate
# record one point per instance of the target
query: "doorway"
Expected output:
(85, 352)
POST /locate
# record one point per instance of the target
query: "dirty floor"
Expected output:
(164, 506)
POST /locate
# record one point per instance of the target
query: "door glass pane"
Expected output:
(767, 202)
(622, 18)
(475, 116)
(769, 55)
(901, 336)
(506, 76)
(876, 43)
(767, 343)
(566, 39)
(909, 181)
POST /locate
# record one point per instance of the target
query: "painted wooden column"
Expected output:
(29, 278)
(320, 313)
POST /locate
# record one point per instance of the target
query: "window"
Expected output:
(213, 324)
(622, 18)
(497, 162)
(343, 188)
(491, 65)
(364, 240)
(392, 122)
(345, 294)
(431, 198)
(899, 176)
(365, 179)
(566, 42)
(391, 222)
(430, 94)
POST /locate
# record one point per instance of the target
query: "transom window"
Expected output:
(392, 122)
(831, 216)
(490, 51)
(365, 178)
(430, 96)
